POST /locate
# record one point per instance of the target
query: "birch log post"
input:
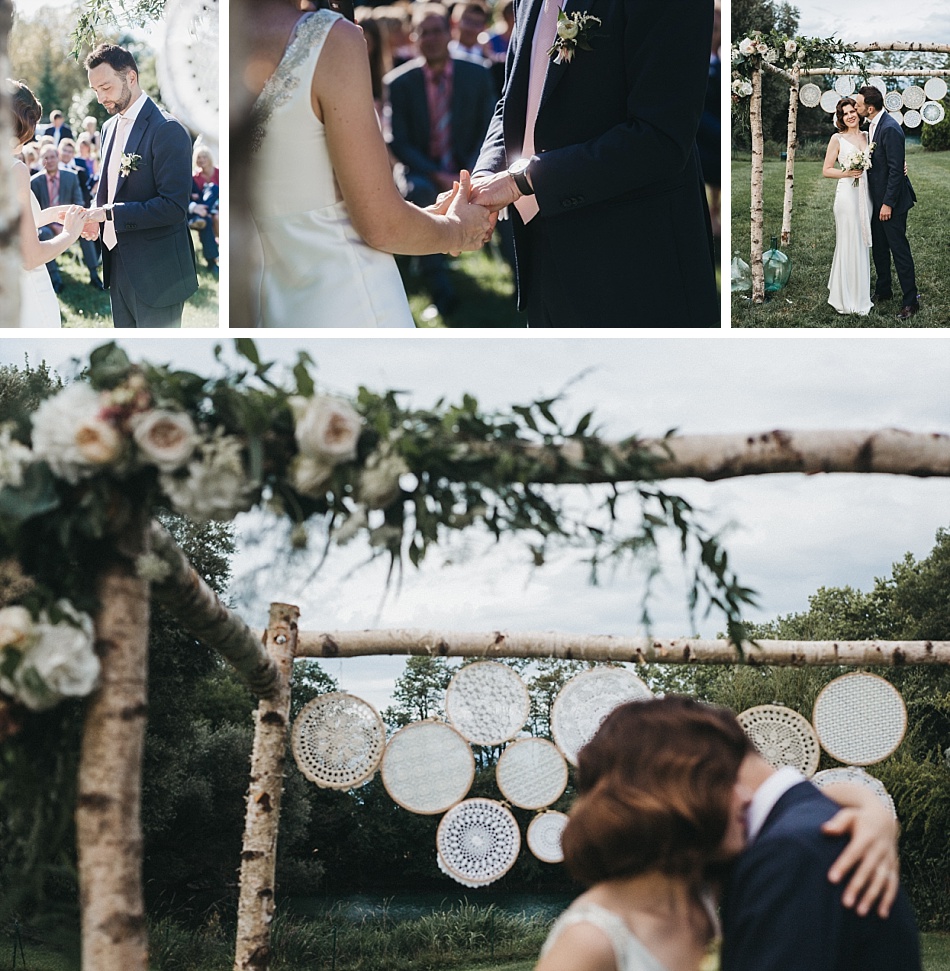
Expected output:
(9, 209)
(790, 148)
(262, 819)
(594, 647)
(108, 824)
(758, 152)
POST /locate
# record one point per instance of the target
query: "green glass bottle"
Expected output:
(777, 267)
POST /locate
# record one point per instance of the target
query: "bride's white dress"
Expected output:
(317, 271)
(38, 304)
(849, 286)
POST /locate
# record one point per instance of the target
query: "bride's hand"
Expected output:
(441, 205)
(473, 224)
(851, 173)
(74, 219)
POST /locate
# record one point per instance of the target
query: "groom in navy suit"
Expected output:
(892, 196)
(148, 257)
(597, 155)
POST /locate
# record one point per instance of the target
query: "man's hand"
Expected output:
(885, 213)
(495, 191)
(90, 230)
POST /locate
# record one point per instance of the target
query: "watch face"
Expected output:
(519, 167)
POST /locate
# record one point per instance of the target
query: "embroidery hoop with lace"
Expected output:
(427, 767)
(531, 773)
(477, 842)
(544, 836)
(851, 773)
(338, 740)
(487, 702)
(782, 737)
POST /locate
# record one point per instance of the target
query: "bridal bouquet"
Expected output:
(860, 160)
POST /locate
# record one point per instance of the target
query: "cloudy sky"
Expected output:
(875, 20)
(787, 535)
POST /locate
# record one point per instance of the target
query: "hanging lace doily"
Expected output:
(782, 736)
(338, 740)
(531, 773)
(586, 700)
(853, 774)
(487, 702)
(544, 836)
(860, 718)
(187, 65)
(477, 842)
(428, 767)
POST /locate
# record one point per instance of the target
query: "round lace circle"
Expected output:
(859, 776)
(912, 118)
(188, 65)
(477, 842)
(932, 112)
(544, 836)
(860, 718)
(844, 85)
(809, 95)
(879, 83)
(913, 96)
(586, 700)
(898, 116)
(487, 702)
(829, 101)
(338, 740)
(893, 101)
(427, 767)
(935, 89)
(531, 773)
(782, 737)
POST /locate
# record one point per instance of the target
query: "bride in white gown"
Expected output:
(849, 285)
(323, 198)
(38, 304)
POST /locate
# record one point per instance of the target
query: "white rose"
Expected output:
(747, 46)
(56, 425)
(215, 486)
(567, 29)
(60, 663)
(790, 48)
(309, 475)
(736, 55)
(379, 480)
(16, 627)
(761, 47)
(167, 439)
(14, 458)
(746, 89)
(326, 428)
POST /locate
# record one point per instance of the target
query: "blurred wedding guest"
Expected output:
(90, 247)
(91, 128)
(709, 135)
(86, 156)
(30, 155)
(203, 208)
(469, 31)
(38, 304)
(54, 188)
(441, 107)
(500, 35)
(380, 63)
(208, 178)
(57, 127)
(396, 21)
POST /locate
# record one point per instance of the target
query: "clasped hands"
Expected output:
(475, 203)
(67, 216)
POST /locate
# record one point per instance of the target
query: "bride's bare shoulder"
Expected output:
(345, 39)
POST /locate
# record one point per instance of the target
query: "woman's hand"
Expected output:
(441, 205)
(74, 220)
(474, 224)
(851, 174)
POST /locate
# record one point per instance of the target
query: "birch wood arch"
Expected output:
(793, 77)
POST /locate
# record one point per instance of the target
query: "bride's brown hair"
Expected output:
(655, 785)
(27, 111)
(839, 113)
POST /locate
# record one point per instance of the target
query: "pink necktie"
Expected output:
(544, 33)
(119, 139)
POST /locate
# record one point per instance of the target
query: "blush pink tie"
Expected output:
(119, 138)
(544, 33)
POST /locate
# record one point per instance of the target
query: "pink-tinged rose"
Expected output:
(747, 46)
(16, 627)
(98, 442)
(327, 429)
(167, 439)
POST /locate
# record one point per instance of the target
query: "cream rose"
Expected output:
(379, 480)
(747, 46)
(167, 439)
(65, 433)
(215, 486)
(99, 442)
(567, 29)
(326, 428)
(309, 475)
(16, 627)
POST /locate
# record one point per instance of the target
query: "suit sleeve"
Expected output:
(895, 166)
(782, 914)
(658, 137)
(402, 143)
(482, 116)
(171, 171)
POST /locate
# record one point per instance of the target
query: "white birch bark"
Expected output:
(10, 259)
(790, 149)
(758, 151)
(262, 819)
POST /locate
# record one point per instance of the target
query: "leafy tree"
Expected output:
(419, 692)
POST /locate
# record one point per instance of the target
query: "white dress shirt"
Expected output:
(766, 796)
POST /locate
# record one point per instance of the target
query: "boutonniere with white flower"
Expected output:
(128, 163)
(573, 30)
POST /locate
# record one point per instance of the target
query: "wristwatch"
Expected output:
(519, 172)
(107, 208)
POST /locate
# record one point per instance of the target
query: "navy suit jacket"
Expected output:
(617, 180)
(70, 192)
(151, 209)
(886, 180)
(64, 132)
(473, 100)
(780, 913)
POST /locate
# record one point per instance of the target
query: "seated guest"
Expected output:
(90, 247)
(469, 32)
(203, 208)
(57, 127)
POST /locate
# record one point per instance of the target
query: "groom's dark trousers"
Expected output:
(622, 205)
(780, 913)
(151, 269)
(889, 186)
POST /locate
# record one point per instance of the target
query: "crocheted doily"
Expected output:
(586, 700)
(544, 836)
(860, 718)
(849, 773)
(531, 773)
(428, 767)
(782, 736)
(487, 702)
(338, 740)
(477, 842)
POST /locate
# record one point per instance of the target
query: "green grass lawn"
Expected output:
(84, 306)
(804, 303)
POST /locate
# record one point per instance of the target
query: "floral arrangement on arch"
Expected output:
(129, 439)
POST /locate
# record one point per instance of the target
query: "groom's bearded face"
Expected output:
(113, 90)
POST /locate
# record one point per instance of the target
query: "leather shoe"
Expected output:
(908, 312)
(881, 297)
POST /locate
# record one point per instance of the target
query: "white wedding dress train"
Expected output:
(849, 285)
(317, 272)
(39, 306)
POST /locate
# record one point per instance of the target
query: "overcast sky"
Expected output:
(790, 534)
(875, 20)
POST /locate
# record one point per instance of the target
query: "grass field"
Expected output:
(804, 302)
(84, 306)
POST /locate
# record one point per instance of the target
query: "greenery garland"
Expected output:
(130, 436)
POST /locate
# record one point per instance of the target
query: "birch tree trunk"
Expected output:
(790, 147)
(108, 826)
(9, 209)
(758, 151)
(262, 819)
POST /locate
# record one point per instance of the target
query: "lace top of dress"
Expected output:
(310, 32)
